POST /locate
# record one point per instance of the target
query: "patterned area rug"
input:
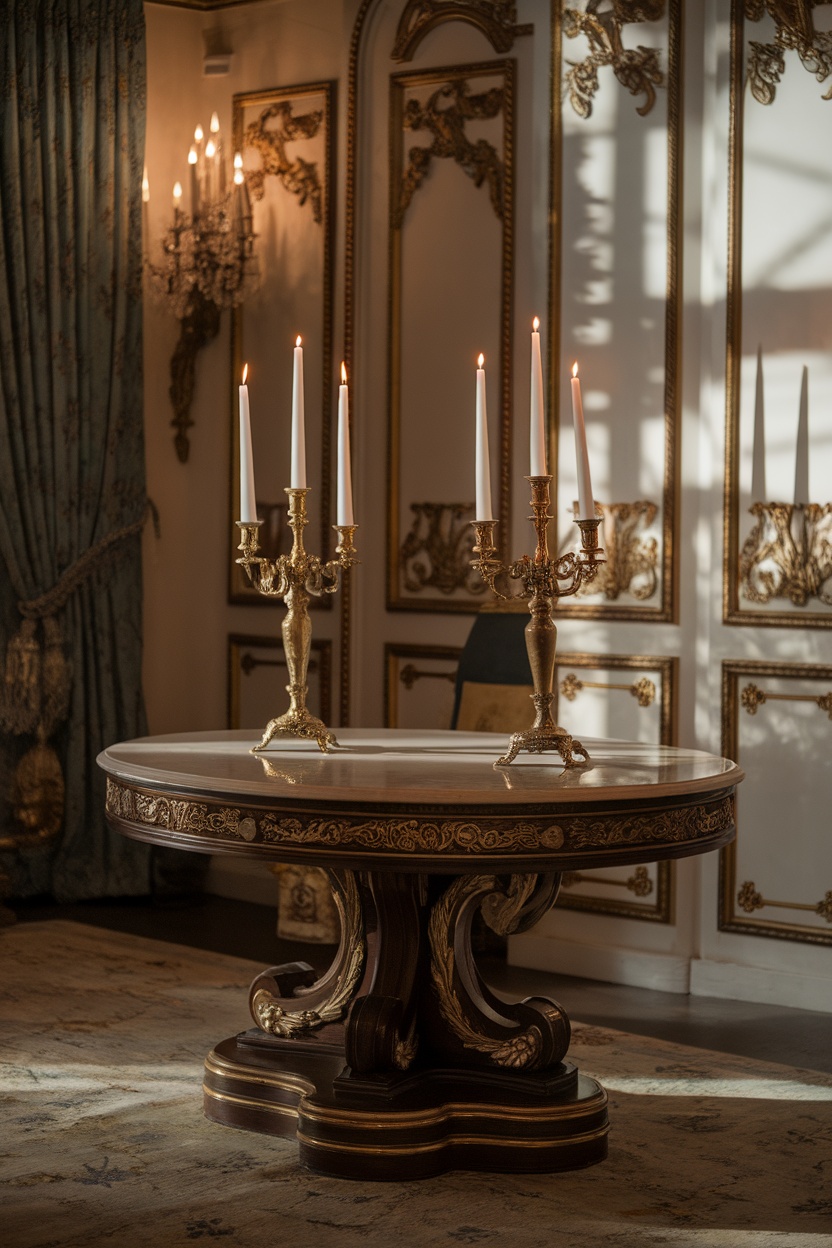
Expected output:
(102, 1041)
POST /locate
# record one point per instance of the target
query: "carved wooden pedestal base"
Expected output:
(399, 1062)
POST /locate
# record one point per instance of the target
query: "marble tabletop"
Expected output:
(415, 767)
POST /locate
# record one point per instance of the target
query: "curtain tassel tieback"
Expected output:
(35, 689)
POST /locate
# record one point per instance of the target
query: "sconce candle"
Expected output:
(758, 458)
(586, 503)
(343, 507)
(483, 464)
(192, 159)
(537, 422)
(297, 475)
(177, 196)
(801, 463)
(248, 498)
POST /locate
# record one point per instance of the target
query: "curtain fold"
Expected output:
(72, 122)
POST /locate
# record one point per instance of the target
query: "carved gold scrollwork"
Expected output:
(436, 553)
(752, 697)
(530, 1036)
(637, 69)
(788, 553)
(632, 559)
(497, 19)
(643, 690)
(446, 123)
(750, 899)
(794, 32)
(273, 129)
(272, 1003)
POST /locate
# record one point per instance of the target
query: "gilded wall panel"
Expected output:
(776, 878)
(634, 698)
(257, 679)
(618, 176)
(778, 465)
(419, 685)
(285, 136)
(451, 196)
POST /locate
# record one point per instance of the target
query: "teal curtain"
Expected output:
(72, 479)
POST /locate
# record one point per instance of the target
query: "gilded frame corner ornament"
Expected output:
(738, 901)
(496, 19)
(442, 115)
(290, 114)
(637, 69)
(740, 566)
(665, 567)
(649, 905)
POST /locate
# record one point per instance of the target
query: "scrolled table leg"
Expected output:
(480, 1029)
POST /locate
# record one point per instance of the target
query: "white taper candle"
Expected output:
(801, 459)
(297, 475)
(343, 506)
(537, 411)
(483, 464)
(586, 503)
(248, 498)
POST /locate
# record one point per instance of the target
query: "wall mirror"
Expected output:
(286, 140)
(778, 467)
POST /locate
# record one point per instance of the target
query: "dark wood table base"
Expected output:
(416, 1125)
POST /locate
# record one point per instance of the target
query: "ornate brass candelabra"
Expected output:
(540, 578)
(294, 578)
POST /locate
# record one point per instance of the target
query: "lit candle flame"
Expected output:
(536, 324)
(177, 190)
(145, 187)
(210, 149)
(192, 157)
(343, 373)
(297, 341)
(215, 123)
(238, 160)
(480, 360)
(198, 134)
(575, 369)
(239, 177)
(245, 373)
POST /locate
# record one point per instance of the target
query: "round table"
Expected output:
(399, 1062)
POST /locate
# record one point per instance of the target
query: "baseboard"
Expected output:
(761, 984)
(637, 968)
(244, 881)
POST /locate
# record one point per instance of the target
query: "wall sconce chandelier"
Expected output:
(207, 263)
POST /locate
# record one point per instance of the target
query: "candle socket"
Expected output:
(295, 578)
(788, 553)
(543, 581)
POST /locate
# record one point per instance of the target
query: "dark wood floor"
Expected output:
(768, 1032)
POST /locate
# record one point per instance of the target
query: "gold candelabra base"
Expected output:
(543, 581)
(295, 578)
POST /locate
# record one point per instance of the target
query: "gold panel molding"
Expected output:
(447, 101)
(496, 19)
(643, 582)
(740, 899)
(638, 69)
(655, 681)
(300, 115)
